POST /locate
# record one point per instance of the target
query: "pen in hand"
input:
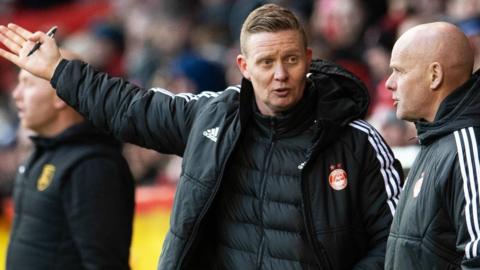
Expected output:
(50, 33)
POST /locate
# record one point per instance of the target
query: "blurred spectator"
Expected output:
(75, 177)
(195, 74)
(145, 164)
(462, 9)
(39, 4)
(102, 45)
(109, 45)
(427, 7)
(397, 132)
(342, 23)
(471, 28)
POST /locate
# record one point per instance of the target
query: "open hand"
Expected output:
(19, 41)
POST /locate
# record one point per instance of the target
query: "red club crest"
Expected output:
(338, 179)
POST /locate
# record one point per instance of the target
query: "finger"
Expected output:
(11, 45)
(10, 57)
(13, 36)
(24, 33)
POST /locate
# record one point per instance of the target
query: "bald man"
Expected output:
(436, 225)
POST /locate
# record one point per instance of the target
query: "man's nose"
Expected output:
(390, 83)
(17, 92)
(281, 73)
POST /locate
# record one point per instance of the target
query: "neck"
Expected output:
(61, 124)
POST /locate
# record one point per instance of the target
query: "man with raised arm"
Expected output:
(278, 173)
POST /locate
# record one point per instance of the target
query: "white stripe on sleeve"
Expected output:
(470, 170)
(189, 96)
(390, 175)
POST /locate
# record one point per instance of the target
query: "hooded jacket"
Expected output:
(436, 225)
(74, 201)
(349, 178)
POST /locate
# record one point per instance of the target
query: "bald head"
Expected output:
(428, 62)
(439, 42)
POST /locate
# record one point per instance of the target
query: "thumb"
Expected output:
(38, 37)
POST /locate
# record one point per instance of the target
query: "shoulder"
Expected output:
(88, 153)
(362, 130)
(365, 139)
(229, 92)
(101, 170)
(464, 144)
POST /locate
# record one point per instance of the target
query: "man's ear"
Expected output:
(242, 65)
(435, 75)
(309, 55)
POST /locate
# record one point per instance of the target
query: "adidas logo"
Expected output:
(211, 134)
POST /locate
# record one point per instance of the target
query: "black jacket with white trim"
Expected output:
(350, 181)
(437, 224)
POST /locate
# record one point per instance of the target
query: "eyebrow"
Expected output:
(394, 66)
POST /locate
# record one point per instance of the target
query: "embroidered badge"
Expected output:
(418, 186)
(46, 177)
(338, 177)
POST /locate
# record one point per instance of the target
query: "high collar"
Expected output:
(78, 133)
(292, 121)
(458, 110)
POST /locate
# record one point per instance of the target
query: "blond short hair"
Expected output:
(270, 18)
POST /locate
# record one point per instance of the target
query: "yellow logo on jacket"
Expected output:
(46, 177)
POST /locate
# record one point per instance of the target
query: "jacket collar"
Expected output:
(77, 133)
(292, 121)
(459, 110)
(339, 96)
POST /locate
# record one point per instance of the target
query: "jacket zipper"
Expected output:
(196, 227)
(268, 159)
(321, 256)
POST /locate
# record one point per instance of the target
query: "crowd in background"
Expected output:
(191, 46)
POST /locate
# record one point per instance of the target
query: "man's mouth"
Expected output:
(20, 112)
(282, 92)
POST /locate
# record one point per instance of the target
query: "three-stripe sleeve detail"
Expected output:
(385, 157)
(470, 170)
(189, 96)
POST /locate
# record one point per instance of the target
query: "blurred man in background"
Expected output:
(74, 196)
(471, 28)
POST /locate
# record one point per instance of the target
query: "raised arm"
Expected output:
(153, 118)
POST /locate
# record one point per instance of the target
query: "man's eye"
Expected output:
(292, 59)
(267, 62)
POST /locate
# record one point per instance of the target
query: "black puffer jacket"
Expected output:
(437, 222)
(74, 204)
(349, 178)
